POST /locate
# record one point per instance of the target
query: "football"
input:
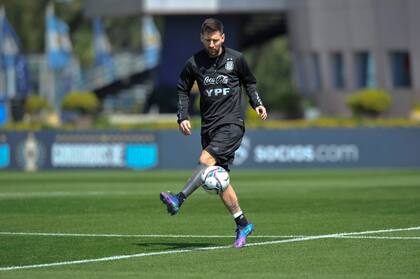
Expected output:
(215, 179)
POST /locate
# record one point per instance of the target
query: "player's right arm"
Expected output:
(185, 127)
(183, 88)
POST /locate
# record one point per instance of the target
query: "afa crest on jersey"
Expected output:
(229, 64)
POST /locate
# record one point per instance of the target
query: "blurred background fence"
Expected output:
(71, 65)
(267, 149)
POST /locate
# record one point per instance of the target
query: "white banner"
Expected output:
(87, 155)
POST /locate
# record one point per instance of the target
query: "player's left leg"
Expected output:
(243, 227)
(227, 143)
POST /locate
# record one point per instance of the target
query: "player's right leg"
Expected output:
(173, 202)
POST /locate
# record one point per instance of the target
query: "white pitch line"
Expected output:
(141, 235)
(120, 257)
(193, 235)
(112, 258)
(14, 195)
(382, 237)
(336, 235)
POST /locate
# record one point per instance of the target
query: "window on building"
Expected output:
(316, 83)
(337, 70)
(299, 68)
(400, 69)
(365, 70)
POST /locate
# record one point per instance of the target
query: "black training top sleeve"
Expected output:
(183, 88)
(249, 82)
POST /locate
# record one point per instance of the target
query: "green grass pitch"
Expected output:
(111, 224)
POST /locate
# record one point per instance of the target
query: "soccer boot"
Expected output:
(171, 201)
(241, 234)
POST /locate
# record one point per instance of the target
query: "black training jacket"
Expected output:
(220, 81)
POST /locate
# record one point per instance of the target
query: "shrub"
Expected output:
(81, 102)
(416, 107)
(369, 102)
(36, 104)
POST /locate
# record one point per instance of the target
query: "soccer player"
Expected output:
(220, 73)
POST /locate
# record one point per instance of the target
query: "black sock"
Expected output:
(181, 198)
(241, 220)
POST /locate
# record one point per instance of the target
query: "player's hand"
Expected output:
(261, 112)
(185, 127)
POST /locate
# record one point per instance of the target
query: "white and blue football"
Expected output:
(215, 179)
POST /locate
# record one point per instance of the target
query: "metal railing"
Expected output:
(54, 85)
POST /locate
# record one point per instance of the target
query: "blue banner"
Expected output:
(102, 47)
(9, 42)
(3, 113)
(4, 156)
(23, 81)
(59, 48)
(14, 63)
(151, 41)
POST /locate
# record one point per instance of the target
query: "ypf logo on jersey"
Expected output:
(229, 64)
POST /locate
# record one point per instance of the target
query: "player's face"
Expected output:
(212, 42)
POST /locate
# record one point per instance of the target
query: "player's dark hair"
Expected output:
(211, 25)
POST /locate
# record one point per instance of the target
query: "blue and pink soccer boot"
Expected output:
(171, 201)
(241, 235)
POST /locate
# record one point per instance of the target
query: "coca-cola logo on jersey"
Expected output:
(220, 79)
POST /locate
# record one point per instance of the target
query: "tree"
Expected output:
(272, 68)
(28, 19)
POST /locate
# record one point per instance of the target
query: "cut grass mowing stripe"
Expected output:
(194, 236)
(121, 257)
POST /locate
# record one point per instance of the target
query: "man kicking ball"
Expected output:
(220, 73)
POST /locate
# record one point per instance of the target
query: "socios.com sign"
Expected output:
(329, 148)
(295, 153)
(306, 153)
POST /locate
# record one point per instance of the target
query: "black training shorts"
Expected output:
(222, 142)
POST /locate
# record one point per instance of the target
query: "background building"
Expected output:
(247, 24)
(338, 46)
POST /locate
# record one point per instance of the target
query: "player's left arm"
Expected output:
(250, 83)
(261, 112)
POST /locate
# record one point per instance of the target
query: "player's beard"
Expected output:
(213, 52)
